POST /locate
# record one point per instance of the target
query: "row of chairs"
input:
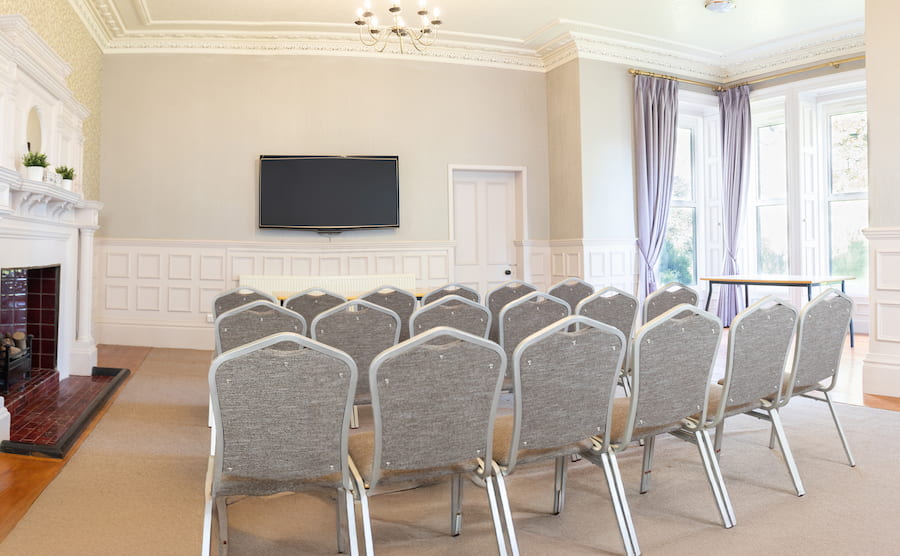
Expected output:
(435, 401)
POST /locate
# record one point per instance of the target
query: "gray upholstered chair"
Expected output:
(309, 303)
(434, 398)
(362, 330)
(616, 308)
(821, 330)
(236, 297)
(674, 357)
(455, 312)
(498, 298)
(252, 321)
(399, 301)
(525, 316)
(573, 363)
(571, 290)
(666, 297)
(759, 340)
(308, 391)
(451, 289)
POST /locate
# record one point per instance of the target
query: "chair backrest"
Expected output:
(236, 297)
(611, 306)
(558, 367)
(307, 391)
(434, 403)
(451, 289)
(666, 297)
(252, 321)
(362, 330)
(571, 290)
(525, 316)
(499, 297)
(455, 312)
(674, 356)
(759, 340)
(399, 301)
(821, 329)
(309, 303)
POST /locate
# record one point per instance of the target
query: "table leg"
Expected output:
(746, 295)
(708, 296)
(809, 292)
(852, 339)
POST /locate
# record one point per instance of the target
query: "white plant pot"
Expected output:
(67, 185)
(34, 173)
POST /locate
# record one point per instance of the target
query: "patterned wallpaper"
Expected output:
(58, 24)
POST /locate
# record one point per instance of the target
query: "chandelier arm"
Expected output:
(373, 39)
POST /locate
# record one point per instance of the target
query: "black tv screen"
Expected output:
(329, 192)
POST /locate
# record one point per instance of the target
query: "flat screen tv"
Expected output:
(329, 193)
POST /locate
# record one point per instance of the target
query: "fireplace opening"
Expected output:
(29, 308)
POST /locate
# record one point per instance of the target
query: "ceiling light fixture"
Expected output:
(720, 6)
(421, 37)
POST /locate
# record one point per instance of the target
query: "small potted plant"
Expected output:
(34, 165)
(68, 174)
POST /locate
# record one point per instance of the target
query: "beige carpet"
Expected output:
(135, 487)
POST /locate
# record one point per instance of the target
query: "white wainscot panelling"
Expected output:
(888, 322)
(887, 270)
(160, 293)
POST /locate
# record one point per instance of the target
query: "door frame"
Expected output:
(521, 211)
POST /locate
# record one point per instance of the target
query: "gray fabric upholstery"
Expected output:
(523, 317)
(281, 417)
(565, 385)
(255, 320)
(360, 329)
(666, 297)
(822, 327)
(613, 307)
(451, 289)
(236, 297)
(433, 403)
(571, 290)
(311, 302)
(455, 312)
(498, 298)
(758, 344)
(399, 301)
(674, 357)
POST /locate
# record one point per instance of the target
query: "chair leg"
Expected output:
(786, 451)
(500, 486)
(840, 430)
(207, 511)
(647, 463)
(714, 476)
(559, 485)
(720, 435)
(495, 514)
(351, 522)
(456, 488)
(354, 417)
(341, 521)
(366, 519)
(222, 518)
(772, 438)
(619, 502)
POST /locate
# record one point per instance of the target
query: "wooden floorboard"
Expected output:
(24, 478)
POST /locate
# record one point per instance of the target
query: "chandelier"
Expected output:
(420, 37)
(720, 6)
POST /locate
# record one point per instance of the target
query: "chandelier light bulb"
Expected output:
(719, 6)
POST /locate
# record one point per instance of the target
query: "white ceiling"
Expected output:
(525, 32)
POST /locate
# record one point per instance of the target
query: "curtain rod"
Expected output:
(833, 64)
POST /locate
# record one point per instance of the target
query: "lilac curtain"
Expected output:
(655, 127)
(734, 110)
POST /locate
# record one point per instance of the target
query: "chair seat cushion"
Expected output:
(503, 431)
(230, 485)
(715, 398)
(621, 408)
(361, 447)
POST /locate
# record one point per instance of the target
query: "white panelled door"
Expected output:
(484, 228)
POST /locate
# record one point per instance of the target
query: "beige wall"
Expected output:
(608, 192)
(182, 135)
(564, 132)
(60, 27)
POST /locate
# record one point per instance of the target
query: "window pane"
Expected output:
(849, 141)
(772, 164)
(678, 260)
(683, 182)
(849, 250)
(772, 239)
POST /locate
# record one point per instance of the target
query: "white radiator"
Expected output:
(283, 286)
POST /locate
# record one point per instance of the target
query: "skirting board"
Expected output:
(881, 375)
(156, 334)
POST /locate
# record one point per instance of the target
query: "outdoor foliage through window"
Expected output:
(678, 260)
